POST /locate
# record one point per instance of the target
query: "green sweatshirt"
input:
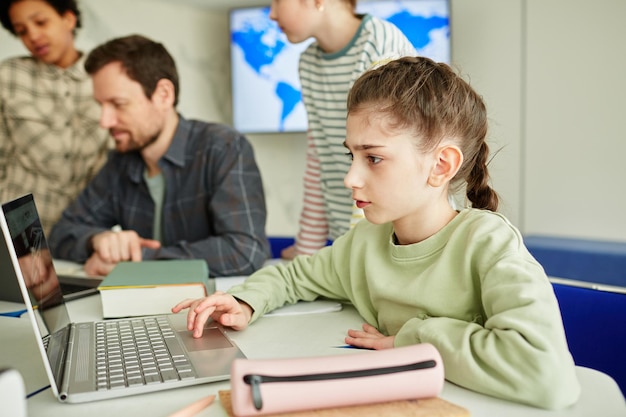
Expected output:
(472, 290)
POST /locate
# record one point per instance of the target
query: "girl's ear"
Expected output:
(69, 18)
(448, 161)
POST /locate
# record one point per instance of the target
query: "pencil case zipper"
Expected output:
(255, 380)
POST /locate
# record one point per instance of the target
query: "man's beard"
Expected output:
(134, 146)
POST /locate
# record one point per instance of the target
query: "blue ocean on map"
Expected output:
(266, 89)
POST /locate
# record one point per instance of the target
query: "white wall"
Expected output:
(551, 73)
(486, 48)
(575, 111)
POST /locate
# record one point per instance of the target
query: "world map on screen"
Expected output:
(265, 84)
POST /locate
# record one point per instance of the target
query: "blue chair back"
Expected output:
(595, 326)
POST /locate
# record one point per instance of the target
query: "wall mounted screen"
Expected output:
(265, 85)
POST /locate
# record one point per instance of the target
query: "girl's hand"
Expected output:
(219, 306)
(369, 338)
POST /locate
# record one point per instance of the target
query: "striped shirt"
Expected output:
(50, 141)
(328, 209)
(213, 207)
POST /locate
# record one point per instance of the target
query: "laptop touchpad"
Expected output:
(211, 339)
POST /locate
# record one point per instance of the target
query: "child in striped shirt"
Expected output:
(346, 44)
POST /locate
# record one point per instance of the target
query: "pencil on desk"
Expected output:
(195, 407)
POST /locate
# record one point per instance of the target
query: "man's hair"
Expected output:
(144, 61)
(61, 6)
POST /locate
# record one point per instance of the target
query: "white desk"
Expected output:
(282, 336)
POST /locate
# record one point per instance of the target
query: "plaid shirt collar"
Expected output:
(76, 72)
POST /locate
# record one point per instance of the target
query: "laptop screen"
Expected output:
(35, 262)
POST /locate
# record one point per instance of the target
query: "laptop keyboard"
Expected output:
(139, 351)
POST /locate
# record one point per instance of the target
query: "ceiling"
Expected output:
(224, 5)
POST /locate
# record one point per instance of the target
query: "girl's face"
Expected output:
(296, 18)
(389, 176)
(46, 34)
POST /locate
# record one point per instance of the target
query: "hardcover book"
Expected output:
(153, 287)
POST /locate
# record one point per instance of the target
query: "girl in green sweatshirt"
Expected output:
(418, 270)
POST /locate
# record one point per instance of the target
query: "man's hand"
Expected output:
(369, 338)
(221, 307)
(96, 266)
(114, 247)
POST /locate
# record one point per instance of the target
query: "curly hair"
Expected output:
(61, 6)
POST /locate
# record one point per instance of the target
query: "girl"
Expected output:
(345, 45)
(50, 142)
(417, 270)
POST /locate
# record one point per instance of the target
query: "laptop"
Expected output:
(110, 358)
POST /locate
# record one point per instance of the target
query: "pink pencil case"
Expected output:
(271, 386)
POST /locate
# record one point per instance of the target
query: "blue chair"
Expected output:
(277, 244)
(595, 327)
